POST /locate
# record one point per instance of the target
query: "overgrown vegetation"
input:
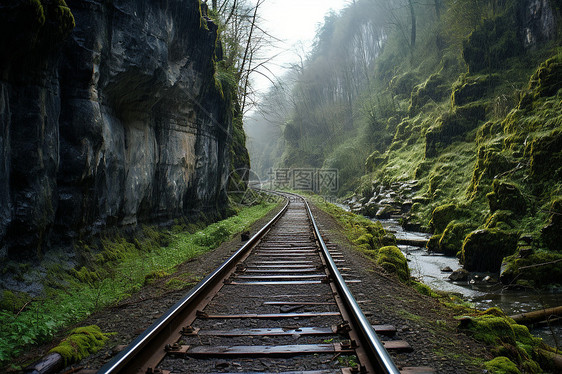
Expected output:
(516, 350)
(114, 269)
(371, 239)
(468, 104)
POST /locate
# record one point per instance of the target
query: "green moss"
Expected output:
(374, 160)
(424, 289)
(501, 365)
(506, 196)
(85, 275)
(470, 88)
(452, 239)
(433, 243)
(393, 260)
(547, 80)
(551, 233)
(82, 342)
(538, 269)
(453, 126)
(500, 219)
(403, 84)
(492, 42)
(154, 275)
(13, 301)
(433, 89)
(509, 340)
(443, 215)
(484, 250)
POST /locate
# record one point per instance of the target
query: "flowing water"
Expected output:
(483, 295)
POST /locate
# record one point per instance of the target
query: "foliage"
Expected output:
(513, 345)
(471, 111)
(82, 342)
(119, 269)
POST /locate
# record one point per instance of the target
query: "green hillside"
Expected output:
(462, 97)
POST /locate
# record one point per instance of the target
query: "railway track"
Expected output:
(279, 304)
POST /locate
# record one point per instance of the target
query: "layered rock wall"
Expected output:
(119, 124)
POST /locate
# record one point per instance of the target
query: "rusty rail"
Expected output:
(145, 353)
(371, 346)
(145, 345)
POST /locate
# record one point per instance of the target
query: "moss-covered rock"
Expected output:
(393, 260)
(484, 250)
(537, 269)
(545, 156)
(402, 84)
(442, 215)
(551, 234)
(502, 365)
(452, 126)
(512, 343)
(490, 162)
(374, 160)
(506, 196)
(547, 80)
(13, 301)
(472, 88)
(82, 342)
(434, 88)
(433, 243)
(452, 239)
(500, 219)
(492, 42)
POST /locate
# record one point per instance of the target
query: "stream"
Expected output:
(483, 295)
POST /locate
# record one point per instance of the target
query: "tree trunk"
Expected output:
(413, 17)
(537, 316)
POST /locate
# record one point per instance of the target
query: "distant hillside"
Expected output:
(462, 99)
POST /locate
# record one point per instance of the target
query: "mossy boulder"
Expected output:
(547, 80)
(551, 234)
(433, 243)
(434, 88)
(403, 84)
(500, 219)
(539, 269)
(490, 162)
(472, 88)
(492, 42)
(545, 155)
(393, 260)
(374, 160)
(512, 343)
(452, 239)
(502, 365)
(452, 126)
(82, 342)
(506, 196)
(484, 250)
(443, 215)
(13, 301)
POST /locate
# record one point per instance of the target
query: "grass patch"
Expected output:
(120, 269)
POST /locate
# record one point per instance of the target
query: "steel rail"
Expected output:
(371, 342)
(121, 360)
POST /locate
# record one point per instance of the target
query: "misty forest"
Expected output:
(137, 148)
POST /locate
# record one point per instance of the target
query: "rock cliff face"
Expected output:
(118, 124)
